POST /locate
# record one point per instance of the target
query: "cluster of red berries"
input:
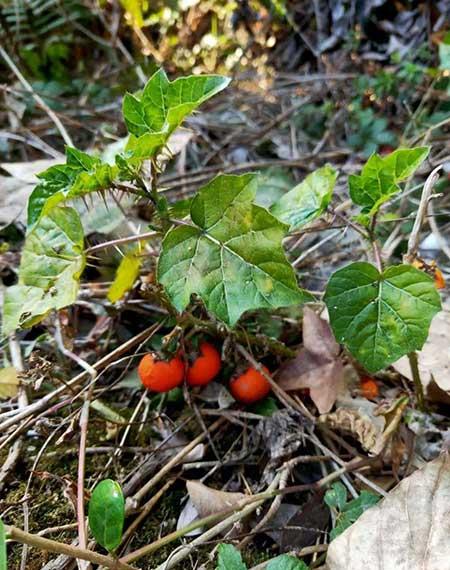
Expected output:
(162, 376)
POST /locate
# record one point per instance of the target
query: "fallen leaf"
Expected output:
(26, 171)
(317, 365)
(9, 383)
(407, 530)
(434, 358)
(209, 501)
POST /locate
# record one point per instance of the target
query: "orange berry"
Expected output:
(369, 388)
(250, 386)
(205, 367)
(439, 280)
(159, 375)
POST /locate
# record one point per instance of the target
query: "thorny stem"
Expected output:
(414, 364)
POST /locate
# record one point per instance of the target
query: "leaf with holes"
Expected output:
(308, 200)
(164, 104)
(232, 257)
(107, 514)
(81, 175)
(381, 317)
(380, 176)
(50, 269)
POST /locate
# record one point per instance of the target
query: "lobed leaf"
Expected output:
(107, 514)
(50, 268)
(308, 200)
(232, 257)
(380, 176)
(81, 175)
(162, 107)
(381, 317)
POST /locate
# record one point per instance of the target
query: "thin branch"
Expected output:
(62, 130)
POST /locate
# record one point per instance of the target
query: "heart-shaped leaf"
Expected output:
(308, 200)
(107, 514)
(50, 268)
(381, 317)
(232, 257)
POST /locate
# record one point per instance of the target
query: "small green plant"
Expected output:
(107, 514)
(229, 558)
(346, 513)
(369, 132)
(224, 249)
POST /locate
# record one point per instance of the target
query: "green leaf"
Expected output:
(50, 268)
(107, 514)
(164, 104)
(274, 183)
(266, 407)
(444, 53)
(336, 497)
(232, 258)
(229, 558)
(308, 200)
(3, 559)
(126, 275)
(81, 175)
(352, 511)
(380, 176)
(286, 562)
(381, 317)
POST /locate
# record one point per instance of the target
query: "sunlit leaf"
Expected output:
(381, 317)
(81, 175)
(380, 176)
(308, 200)
(9, 382)
(126, 275)
(232, 257)
(164, 104)
(50, 268)
(286, 562)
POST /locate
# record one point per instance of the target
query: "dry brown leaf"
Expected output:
(209, 501)
(9, 383)
(408, 530)
(317, 365)
(434, 358)
(26, 171)
(367, 429)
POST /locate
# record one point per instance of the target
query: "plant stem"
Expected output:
(23, 537)
(414, 364)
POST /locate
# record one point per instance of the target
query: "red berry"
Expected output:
(159, 375)
(205, 367)
(369, 388)
(250, 386)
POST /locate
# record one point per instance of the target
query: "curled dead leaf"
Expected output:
(408, 530)
(209, 501)
(317, 365)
